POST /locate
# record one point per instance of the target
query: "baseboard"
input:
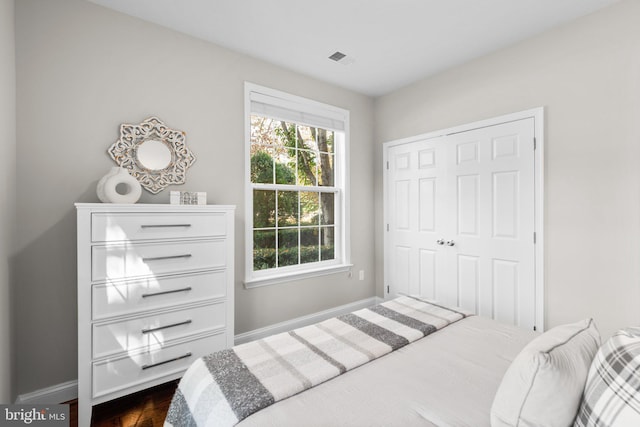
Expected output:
(68, 391)
(55, 394)
(305, 320)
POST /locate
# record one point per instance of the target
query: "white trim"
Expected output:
(536, 113)
(342, 178)
(289, 187)
(538, 117)
(50, 395)
(310, 319)
(257, 282)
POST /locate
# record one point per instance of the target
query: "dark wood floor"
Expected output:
(145, 409)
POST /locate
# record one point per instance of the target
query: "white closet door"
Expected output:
(493, 255)
(417, 174)
(461, 220)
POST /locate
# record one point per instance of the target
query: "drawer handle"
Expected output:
(155, 294)
(184, 356)
(160, 258)
(159, 328)
(164, 225)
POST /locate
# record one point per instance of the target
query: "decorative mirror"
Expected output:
(154, 154)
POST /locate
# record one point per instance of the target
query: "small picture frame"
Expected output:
(187, 197)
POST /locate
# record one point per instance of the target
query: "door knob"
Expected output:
(450, 243)
(440, 241)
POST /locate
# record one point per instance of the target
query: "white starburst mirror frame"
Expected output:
(156, 155)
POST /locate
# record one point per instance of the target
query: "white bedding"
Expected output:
(448, 378)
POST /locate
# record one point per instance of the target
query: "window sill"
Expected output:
(299, 275)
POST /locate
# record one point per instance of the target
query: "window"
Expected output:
(296, 187)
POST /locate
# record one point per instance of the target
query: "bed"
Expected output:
(460, 370)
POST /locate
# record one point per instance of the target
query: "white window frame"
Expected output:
(281, 105)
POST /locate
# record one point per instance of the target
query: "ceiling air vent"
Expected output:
(337, 56)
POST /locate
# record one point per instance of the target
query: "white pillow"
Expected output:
(544, 383)
(612, 394)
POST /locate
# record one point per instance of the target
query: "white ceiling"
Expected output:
(389, 43)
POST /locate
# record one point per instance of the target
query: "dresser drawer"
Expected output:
(151, 259)
(132, 227)
(136, 368)
(157, 329)
(120, 298)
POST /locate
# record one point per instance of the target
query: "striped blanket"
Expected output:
(225, 387)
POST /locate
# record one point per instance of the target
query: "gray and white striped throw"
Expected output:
(225, 387)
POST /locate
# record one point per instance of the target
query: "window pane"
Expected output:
(327, 206)
(307, 167)
(309, 208)
(326, 158)
(264, 208)
(285, 163)
(264, 249)
(326, 141)
(287, 208)
(286, 133)
(327, 243)
(309, 249)
(326, 171)
(307, 138)
(262, 130)
(287, 247)
(261, 164)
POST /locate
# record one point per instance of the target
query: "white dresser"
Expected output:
(155, 292)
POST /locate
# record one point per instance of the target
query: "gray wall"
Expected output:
(83, 70)
(7, 186)
(587, 76)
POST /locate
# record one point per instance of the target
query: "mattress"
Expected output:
(448, 378)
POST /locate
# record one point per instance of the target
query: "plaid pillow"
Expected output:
(612, 394)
